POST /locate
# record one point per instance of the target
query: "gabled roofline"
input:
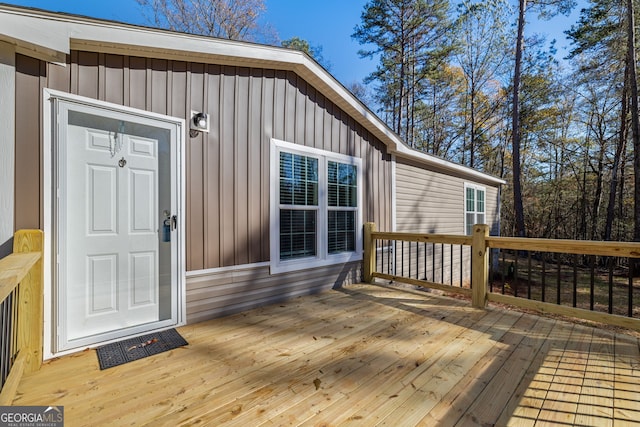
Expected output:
(51, 36)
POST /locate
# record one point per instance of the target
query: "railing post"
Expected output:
(479, 265)
(30, 309)
(369, 252)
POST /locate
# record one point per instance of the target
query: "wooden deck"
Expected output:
(363, 355)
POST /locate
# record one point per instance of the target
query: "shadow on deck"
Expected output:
(361, 355)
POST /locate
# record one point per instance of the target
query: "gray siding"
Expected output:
(227, 170)
(428, 201)
(229, 291)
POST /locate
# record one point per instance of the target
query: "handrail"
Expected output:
(481, 243)
(21, 274)
(13, 269)
(449, 239)
(580, 247)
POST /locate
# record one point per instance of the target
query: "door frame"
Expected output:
(51, 131)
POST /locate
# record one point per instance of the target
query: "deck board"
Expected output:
(363, 355)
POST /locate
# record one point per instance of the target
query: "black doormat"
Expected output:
(121, 352)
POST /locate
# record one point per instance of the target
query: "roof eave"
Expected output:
(51, 36)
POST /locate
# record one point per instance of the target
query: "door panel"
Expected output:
(102, 284)
(118, 205)
(144, 279)
(116, 179)
(143, 187)
(103, 206)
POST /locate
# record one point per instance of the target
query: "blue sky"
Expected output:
(325, 23)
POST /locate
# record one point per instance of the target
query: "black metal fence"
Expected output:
(597, 283)
(440, 263)
(8, 334)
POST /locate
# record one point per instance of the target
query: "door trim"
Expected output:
(51, 99)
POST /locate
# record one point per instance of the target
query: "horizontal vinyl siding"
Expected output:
(214, 294)
(432, 202)
(493, 210)
(429, 201)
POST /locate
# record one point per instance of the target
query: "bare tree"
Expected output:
(546, 9)
(229, 19)
(482, 55)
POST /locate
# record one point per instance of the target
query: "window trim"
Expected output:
(322, 257)
(475, 188)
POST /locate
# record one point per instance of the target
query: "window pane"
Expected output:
(353, 196)
(298, 180)
(312, 169)
(470, 200)
(312, 194)
(286, 178)
(470, 222)
(342, 231)
(297, 234)
(346, 174)
(332, 172)
(342, 185)
(480, 204)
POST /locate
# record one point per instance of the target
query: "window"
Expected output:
(315, 207)
(342, 182)
(474, 206)
(298, 205)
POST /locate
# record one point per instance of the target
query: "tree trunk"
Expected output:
(472, 139)
(518, 207)
(635, 125)
(622, 139)
(597, 198)
(582, 232)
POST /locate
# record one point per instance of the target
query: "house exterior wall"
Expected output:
(7, 146)
(431, 201)
(227, 169)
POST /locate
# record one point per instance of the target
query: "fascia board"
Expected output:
(436, 162)
(44, 39)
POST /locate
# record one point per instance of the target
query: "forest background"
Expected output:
(462, 82)
(465, 82)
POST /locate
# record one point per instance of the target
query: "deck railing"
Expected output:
(583, 279)
(21, 315)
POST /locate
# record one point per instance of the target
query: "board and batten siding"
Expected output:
(227, 170)
(433, 202)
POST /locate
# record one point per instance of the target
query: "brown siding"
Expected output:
(28, 147)
(227, 172)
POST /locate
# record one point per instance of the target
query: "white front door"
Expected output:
(116, 216)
